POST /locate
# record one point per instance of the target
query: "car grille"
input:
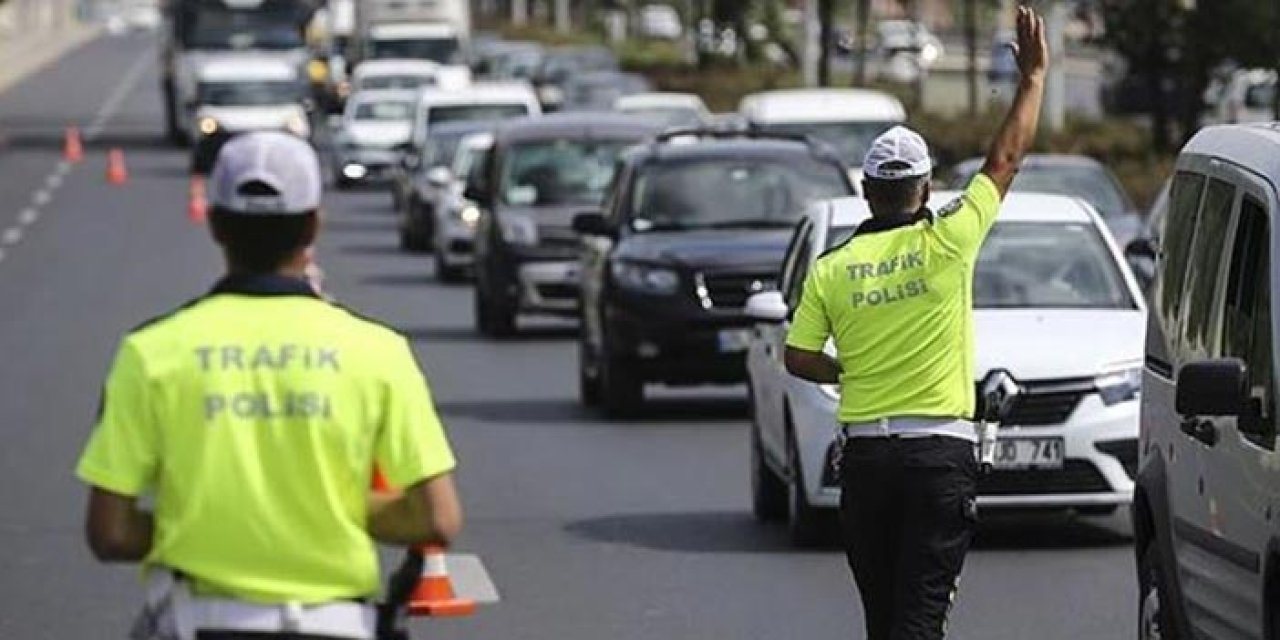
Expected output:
(1048, 403)
(731, 290)
(558, 291)
(1075, 476)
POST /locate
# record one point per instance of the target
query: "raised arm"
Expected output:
(1019, 129)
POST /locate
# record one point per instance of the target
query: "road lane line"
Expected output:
(117, 97)
(12, 236)
(42, 197)
(29, 216)
(63, 168)
(470, 578)
(54, 181)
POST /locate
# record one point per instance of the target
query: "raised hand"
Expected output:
(1031, 49)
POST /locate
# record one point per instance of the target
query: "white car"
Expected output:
(673, 109)
(375, 125)
(239, 93)
(1054, 306)
(480, 101)
(393, 74)
(847, 119)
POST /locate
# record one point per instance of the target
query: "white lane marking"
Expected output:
(63, 168)
(54, 181)
(12, 236)
(117, 97)
(42, 197)
(470, 579)
(29, 216)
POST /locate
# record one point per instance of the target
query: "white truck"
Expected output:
(436, 30)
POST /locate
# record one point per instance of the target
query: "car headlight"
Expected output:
(1119, 384)
(645, 278)
(468, 215)
(297, 125)
(518, 230)
(208, 126)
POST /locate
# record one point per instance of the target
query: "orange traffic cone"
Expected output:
(434, 594)
(72, 148)
(117, 174)
(197, 205)
(380, 483)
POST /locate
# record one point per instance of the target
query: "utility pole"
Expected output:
(810, 49)
(971, 41)
(519, 12)
(864, 32)
(563, 22)
(1055, 91)
(826, 15)
(917, 15)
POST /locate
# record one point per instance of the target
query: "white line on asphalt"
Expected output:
(54, 180)
(42, 197)
(12, 236)
(29, 216)
(63, 168)
(117, 97)
(470, 578)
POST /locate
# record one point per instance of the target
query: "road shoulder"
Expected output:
(27, 54)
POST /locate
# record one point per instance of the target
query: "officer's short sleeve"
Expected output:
(964, 222)
(123, 451)
(411, 444)
(810, 324)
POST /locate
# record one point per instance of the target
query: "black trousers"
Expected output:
(907, 516)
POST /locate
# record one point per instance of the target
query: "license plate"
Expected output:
(1029, 453)
(734, 340)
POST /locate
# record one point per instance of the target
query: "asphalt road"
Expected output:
(590, 529)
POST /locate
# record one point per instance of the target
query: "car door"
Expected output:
(774, 336)
(1195, 515)
(765, 381)
(594, 257)
(1241, 464)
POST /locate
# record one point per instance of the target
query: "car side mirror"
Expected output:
(439, 177)
(1140, 248)
(592, 223)
(1212, 388)
(767, 306)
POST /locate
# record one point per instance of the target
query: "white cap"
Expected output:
(900, 146)
(285, 163)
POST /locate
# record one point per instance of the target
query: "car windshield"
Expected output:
(731, 192)
(470, 112)
(400, 81)
(560, 172)
(246, 94)
(849, 139)
(441, 148)
(442, 50)
(1030, 265)
(222, 30)
(1089, 183)
(391, 111)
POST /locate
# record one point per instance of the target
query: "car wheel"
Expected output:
(621, 390)
(768, 491)
(1153, 616)
(807, 525)
(444, 272)
(588, 375)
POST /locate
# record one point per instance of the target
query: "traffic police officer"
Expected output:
(897, 299)
(255, 416)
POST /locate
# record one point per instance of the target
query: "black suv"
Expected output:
(696, 222)
(540, 172)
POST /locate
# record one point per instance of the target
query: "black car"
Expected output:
(418, 177)
(540, 173)
(691, 229)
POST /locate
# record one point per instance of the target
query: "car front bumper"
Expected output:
(678, 346)
(365, 165)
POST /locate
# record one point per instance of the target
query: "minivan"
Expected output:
(1206, 507)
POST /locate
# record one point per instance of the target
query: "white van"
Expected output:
(846, 119)
(239, 93)
(1206, 506)
(480, 101)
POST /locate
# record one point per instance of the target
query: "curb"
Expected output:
(32, 59)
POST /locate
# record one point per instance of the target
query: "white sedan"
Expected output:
(1054, 306)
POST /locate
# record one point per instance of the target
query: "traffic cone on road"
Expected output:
(72, 147)
(197, 205)
(117, 174)
(434, 595)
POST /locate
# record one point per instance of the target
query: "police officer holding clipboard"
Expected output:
(897, 301)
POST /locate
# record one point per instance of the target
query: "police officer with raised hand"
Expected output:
(253, 417)
(897, 301)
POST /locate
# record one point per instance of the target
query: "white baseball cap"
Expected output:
(286, 164)
(902, 148)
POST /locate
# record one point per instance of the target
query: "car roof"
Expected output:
(1017, 207)
(234, 68)
(385, 95)
(821, 105)
(480, 92)
(1256, 146)
(477, 140)
(693, 148)
(1036, 160)
(660, 99)
(587, 124)
(462, 127)
(388, 66)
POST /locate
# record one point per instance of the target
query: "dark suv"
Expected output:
(540, 172)
(696, 223)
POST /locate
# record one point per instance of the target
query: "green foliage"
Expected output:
(645, 55)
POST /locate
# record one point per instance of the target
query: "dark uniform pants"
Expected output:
(907, 514)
